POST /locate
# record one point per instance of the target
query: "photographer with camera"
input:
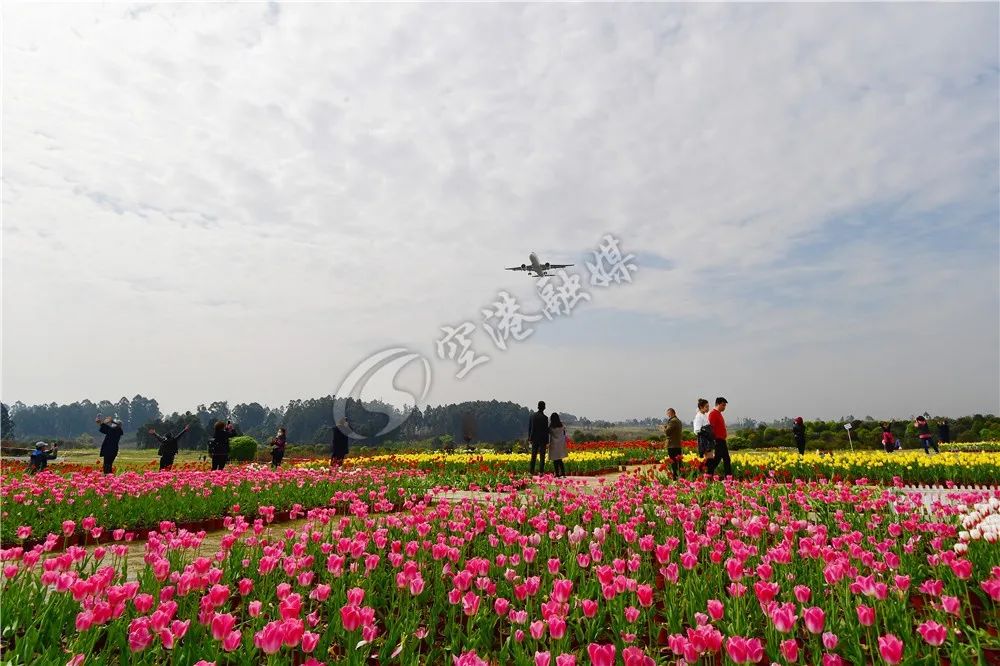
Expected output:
(112, 429)
(218, 446)
(41, 456)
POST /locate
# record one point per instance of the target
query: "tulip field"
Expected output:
(455, 560)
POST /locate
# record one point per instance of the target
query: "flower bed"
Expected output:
(725, 573)
(907, 466)
(134, 501)
(875, 466)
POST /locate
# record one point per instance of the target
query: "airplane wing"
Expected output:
(519, 268)
(551, 266)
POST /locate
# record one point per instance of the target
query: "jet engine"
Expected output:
(546, 265)
(523, 266)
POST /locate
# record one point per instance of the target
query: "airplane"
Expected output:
(534, 266)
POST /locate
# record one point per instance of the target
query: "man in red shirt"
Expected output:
(718, 423)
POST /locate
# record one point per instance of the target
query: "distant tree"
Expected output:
(6, 423)
(251, 417)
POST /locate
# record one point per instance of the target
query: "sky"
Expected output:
(244, 202)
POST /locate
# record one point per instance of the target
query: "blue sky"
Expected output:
(242, 202)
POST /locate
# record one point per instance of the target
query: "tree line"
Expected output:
(307, 421)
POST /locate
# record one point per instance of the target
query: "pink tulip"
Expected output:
(784, 618)
(601, 654)
(245, 587)
(222, 625)
(350, 616)
(470, 603)
(950, 605)
(832, 660)
(802, 593)
(716, 609)
(78, 660)
(814, 619)
(933, 633)
(270, 638)
(232, 641)
(553, 565)
(355, 596)
(589, 607)
(790, 650)
(309, 641)
(562, 589)
(866, 615)
(469, 659)
(634, 656)
(537, 629)
(566, 659)
(830, 640)
(501, 606)
(891, 649)
(543, 658)
(736, 648)
(557, 627)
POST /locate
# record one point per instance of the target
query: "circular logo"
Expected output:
(374, 379)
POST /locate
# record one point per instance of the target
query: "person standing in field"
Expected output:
(218, 448)
(168, 446)
(799, 435)
(944, 432)
(718, 423)
(557, 445)
(924, 433)
(703, 431)
(278, 448)
(889, 441)
(538, 435)
(113, 432)
(673, 430)
(340, 443)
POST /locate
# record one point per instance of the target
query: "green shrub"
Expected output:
(243, 448)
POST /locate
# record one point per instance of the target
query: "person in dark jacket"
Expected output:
(944, 432)
(799, 435)
(341, 443)
(673, 430)
(41, 456)
(218, 447)
(278, 448)
(538, 435)
(924, 433)
(109, 447)
(168, 446)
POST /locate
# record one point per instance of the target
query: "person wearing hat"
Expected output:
(799, 434)
(718, 423)
(340, 442)
(112, 429)
(41, 456)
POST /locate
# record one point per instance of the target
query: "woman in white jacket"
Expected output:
(705, 443)
(557, 445)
